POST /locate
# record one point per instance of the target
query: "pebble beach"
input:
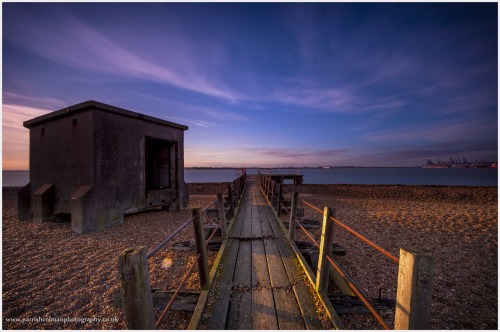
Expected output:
(50, 272)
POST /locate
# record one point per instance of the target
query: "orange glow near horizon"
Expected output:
(15, 138)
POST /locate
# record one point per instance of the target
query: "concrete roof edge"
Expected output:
(101, 106)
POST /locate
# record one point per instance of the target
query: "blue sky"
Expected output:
(261, 84)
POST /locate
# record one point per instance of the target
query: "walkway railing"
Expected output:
(415, 274)
(133, 266)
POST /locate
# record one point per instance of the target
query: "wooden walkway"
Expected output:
(259, 284)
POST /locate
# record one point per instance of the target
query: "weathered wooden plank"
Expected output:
(243, 271)
(308, 308)
(218, 304)
(349, 305)
(246, 229)
(287, 310)
(277, 272)
(235, 231)
(240, 311)
(263, 310)
(256, 228)
(267, 231)
(185, 300)
(278, 232)
(303, 294)
(259, 265)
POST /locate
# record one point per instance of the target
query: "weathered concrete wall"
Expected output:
(120, 169)
(120, 157)
(95, 157)
(61, 152)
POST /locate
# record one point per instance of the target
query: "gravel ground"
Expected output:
(50, 272)
(457, 225)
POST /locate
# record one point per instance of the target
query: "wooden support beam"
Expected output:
(222, 216)
(293, 214)
(231, 201)
(325, 246)
(280, 198)
(414, 293)
(136, 290)
(199, 241)
(273, 184)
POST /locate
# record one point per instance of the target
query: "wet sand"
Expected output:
(48, 271)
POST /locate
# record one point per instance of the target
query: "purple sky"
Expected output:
(266, 85)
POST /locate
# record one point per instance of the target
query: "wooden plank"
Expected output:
(240, 311)
(186, 300)
(287, 310)
(218, 304)
(305, 298)
(278, 232)
(243, 272)
(246, 229)
(267, 230)
(255, 209)
(277, 272)
(263, 310)
(259, 265)
(256, 228)
(235, 231)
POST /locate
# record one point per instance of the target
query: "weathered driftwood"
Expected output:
(185, 300)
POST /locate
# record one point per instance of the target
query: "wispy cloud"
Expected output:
(15, 138)
(438, 132)
(72, 42)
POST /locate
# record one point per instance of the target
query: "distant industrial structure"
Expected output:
(459, 163)
(97, 162)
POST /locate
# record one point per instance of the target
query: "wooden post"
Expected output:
(222, 216)
(280, 197)
(293, 215)
(199, 240)
(272, 193)
(231, 202)
(136, 290)
(340, 282)
(414, 294)
(325, 248)
(268, 180)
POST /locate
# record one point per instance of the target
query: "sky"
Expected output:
(266, 84)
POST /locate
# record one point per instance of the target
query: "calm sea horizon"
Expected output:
(484, 177)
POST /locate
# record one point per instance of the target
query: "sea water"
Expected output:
(347, 175)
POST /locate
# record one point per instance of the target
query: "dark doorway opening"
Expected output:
(158, 164)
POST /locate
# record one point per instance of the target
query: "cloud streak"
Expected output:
(69, 41)
(15, 138)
